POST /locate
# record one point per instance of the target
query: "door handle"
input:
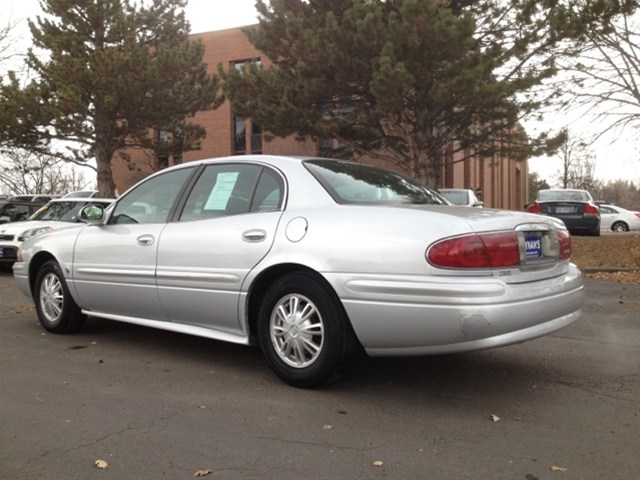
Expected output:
(145, 240)
(256, 235)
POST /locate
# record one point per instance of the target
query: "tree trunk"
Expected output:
(106, 187)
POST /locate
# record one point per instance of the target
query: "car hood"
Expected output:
(15, 228)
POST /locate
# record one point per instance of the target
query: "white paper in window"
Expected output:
(219, 196)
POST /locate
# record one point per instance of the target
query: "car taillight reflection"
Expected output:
(564, 240)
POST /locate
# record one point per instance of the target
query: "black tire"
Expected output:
(620, 227)
(56, 309)
(304, 350)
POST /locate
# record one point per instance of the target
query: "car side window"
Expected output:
(604, 209)
(269, 192)
(232, 189)
(19, 212)
(151, 201)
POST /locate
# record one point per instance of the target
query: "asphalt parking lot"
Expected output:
(153, 404)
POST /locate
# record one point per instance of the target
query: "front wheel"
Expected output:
(303, 330)
(620, 227)
(56, 309)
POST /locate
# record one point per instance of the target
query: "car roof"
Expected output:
(82, 199)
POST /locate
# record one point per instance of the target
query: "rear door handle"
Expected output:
(256, 235)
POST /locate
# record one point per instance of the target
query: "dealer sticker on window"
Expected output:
(533, 245)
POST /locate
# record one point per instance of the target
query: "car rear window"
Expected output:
(355, 183)
(563, 196)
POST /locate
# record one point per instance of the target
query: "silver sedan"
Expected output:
(310, 259)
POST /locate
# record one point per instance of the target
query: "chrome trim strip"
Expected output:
(446, 290)
(114, 271)
(535, 227)
(201, 277)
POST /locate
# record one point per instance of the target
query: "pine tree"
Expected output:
(412, 81)
(109, 74)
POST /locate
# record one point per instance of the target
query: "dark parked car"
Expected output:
(575, 208)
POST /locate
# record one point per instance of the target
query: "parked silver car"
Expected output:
(307, 258)
(58, 213)
(618, 219)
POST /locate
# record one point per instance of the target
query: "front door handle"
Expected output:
(145, 240)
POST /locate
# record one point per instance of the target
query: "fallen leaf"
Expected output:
(327, 427)
(378, 463)
(495, 418)
(555, 468)
(202, 473)
(101, 464)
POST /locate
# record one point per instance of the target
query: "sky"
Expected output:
(617, 155)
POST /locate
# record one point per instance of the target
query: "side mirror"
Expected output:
(92, 213)
(478, 204)
(5, 219)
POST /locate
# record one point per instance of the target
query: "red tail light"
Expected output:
(637, 214)
(534, 208)
(591, 209)
(490, 250)
(564, 240)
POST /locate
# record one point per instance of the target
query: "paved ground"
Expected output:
(157, 405)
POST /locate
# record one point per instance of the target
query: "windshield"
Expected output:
(60, 211)
(355, 183)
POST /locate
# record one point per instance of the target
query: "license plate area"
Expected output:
(539, 246)
(565, 209)
(533, 245)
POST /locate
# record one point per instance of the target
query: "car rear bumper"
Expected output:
(456, 315)
(581, 224)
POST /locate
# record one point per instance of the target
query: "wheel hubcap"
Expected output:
(297, 331)
(51, 297)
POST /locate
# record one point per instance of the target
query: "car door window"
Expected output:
(233, 189)
(152, 200)
(269, 192)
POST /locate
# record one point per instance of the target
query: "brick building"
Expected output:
(500, 182)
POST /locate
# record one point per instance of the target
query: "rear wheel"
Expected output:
(304, 332)
(620, 227)
(56, 309)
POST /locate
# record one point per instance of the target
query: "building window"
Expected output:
(162, 148)
(256, 137)
(243, 142)
(239, 136)
(242, 65)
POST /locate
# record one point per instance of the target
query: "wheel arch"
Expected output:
(619, 222)
(35, 264)
(266, 278)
